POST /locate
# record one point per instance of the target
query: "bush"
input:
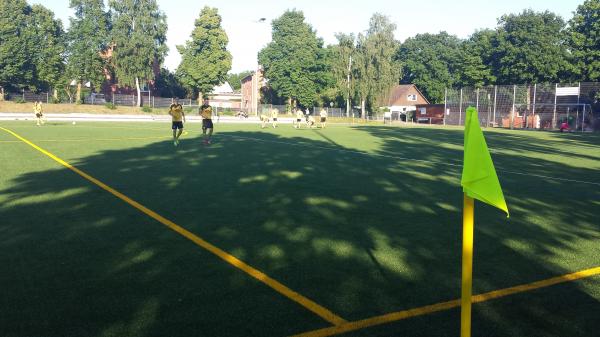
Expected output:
(55, 100)
(146, 109)
(110, 105)
(20, 100)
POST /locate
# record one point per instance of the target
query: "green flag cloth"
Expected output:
(479, 179)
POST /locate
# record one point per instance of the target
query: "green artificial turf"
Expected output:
(363, 220)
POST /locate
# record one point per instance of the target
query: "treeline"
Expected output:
(124, 44)
(529, 47)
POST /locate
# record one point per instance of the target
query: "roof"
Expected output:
(224, 88)
(398, 95)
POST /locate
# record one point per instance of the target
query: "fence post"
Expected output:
(495, 96)
(460, 107)
(533, 124)
(512, 113)
(554, 113)
(445, 105)
(477, 100)
(47, 98)
(525, 116)
(583, 119)
(23, 94)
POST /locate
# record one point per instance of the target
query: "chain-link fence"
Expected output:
(535, 106)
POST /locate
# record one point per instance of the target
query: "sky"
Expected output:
(247, 35)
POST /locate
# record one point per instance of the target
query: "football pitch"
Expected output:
(108, 229)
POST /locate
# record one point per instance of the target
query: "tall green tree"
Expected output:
(139, 31)
(88, 38)
(363, 73)
(16, 68)
(585, 39)
(49, 48)
(428, 61)
(530, 48)
(294, 61)
(205, 59)
(382, 49)
(469, 68)
(341, 67)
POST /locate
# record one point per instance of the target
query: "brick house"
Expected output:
(251, 87)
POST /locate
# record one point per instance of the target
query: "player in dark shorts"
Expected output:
(274, 115)
(323, 115)
(299, 116)
(178, 117)
(205, 112)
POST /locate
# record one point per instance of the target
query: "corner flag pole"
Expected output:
(467, 267)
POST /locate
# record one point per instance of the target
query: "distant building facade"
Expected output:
(250, 91)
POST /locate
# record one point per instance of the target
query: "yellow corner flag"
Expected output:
(479, 181)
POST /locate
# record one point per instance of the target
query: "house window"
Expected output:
(412, 97)
(423, 111)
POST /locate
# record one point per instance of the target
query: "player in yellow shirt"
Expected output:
(178, 118)
(299, 117)
(264, 119)
(39, 114)
(323, 115)
(274, 114)
(205, 111)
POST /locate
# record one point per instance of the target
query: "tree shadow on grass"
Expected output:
(361, 235)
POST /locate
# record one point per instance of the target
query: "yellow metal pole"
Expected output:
(467, 267)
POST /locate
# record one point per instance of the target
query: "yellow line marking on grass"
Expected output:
(257, 274)
(428, 309)
(88, 139)
(95, 139)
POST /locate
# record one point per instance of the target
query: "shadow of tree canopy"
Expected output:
(362, 235)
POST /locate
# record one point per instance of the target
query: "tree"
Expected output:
(428, 61)
(16, 69)
(476, 53)
(585, 39)
(341, 58)
(49, 50)
(294, 60)
(138, 36)
(205, 60)
(382, 49)
(88, 38)
(168, 84)
(235, 79)
(530, 48)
